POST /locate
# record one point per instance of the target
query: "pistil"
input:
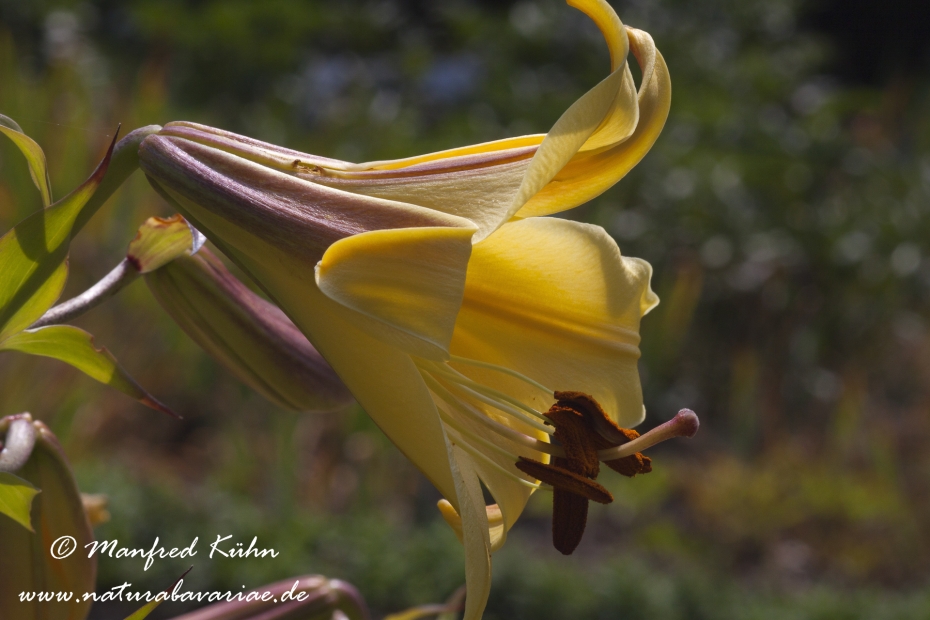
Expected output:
(684, 424)
(588, 436)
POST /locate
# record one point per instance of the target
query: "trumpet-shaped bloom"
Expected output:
(450, 310)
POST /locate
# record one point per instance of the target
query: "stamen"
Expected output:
(505, 409)
(464, 445)
(503, 369)
(684, 424)
(475, 414)
(496, 404)
(457, 377)
(472, 436)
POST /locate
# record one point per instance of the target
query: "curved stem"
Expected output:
(17, 448)
(107, 287)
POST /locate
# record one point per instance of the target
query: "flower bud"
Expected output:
(249, 335)
(46, 561)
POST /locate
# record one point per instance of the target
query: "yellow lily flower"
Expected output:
(449, 310)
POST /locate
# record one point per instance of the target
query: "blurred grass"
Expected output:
(784, 213)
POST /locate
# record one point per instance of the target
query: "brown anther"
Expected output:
(583, 428)
(608, 433)
(631, 465)
(579, 443)
(565, 479)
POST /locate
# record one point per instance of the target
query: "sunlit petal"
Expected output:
(590, 173)
(410, 278)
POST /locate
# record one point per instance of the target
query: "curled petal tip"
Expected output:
(687, 423)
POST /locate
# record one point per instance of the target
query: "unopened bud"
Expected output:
(249, 335)
(51, 559)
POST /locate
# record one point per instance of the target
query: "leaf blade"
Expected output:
(35, 156)
(75, 347)
(33, 252)
(16, 497)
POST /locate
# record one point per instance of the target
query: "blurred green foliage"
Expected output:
(785, 213)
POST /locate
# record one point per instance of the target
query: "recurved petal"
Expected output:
(485, 183)
(591, 172)
(250, 336)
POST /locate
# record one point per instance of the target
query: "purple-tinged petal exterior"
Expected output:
(249, 335)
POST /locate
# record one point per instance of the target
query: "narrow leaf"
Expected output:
(46, 292)
(35, 157)
(145, 610)
(33, 253)
(16, 497)
(75, 346)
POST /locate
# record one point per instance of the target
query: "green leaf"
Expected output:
(35, 157)
(43, 296)
(144, 611)
(75, 346)
(16, 497)
(33, 256)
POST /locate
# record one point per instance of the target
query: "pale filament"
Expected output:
(470, 435)
(456, 377)
(475, 414)
(488, 460)
(502, 369)
(450, 400)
